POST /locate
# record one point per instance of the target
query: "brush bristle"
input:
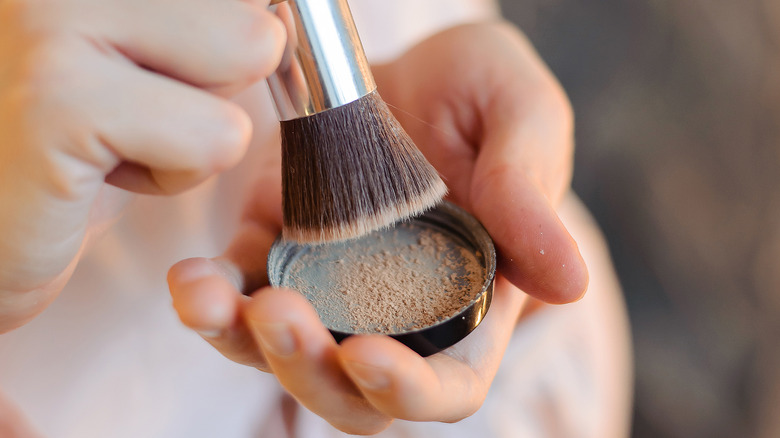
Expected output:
(352, 170)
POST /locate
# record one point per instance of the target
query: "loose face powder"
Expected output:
(390, 281)
(426, 282)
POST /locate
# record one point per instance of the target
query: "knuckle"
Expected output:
(560, 107)
(24, 17)
(36, 82)
(229, 131)
(45, 66)
(44, 87)
(37, 45)
(552, 103)
(558, 111)
(549, 102)
(261, 38)
(42, 113)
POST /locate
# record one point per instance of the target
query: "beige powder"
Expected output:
(390, 281)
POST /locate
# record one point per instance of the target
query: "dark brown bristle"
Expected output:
(350, 170)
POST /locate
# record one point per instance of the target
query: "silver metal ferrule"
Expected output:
(324, 65)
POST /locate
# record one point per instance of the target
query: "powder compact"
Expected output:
(426, 282)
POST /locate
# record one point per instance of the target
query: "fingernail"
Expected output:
(192, 270)
(276, 338)
(368, 376)
(210, 334)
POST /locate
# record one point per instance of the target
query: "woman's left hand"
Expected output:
(491, 118)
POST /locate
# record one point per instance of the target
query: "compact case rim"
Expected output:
(445, 217)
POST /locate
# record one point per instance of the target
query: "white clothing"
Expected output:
(110, 359)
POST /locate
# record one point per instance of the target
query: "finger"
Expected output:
(219, 45)
(448, 386)
(174, 135)
(536, 252)
(261, 225)
(206, 299)
(198, 286)
(530, 127)
(520, 175)
(404, 385)
(181, 134)
(302, 354)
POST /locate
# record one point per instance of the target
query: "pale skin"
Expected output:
(493, 121)
(476, 99)
(78, 113)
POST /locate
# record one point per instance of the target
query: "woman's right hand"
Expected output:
(125, 93)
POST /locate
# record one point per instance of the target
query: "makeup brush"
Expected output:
(348, 167)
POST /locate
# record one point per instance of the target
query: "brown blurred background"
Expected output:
(678, 122)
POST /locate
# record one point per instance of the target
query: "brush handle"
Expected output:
(324, 65)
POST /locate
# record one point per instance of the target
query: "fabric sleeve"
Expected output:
(388, 28)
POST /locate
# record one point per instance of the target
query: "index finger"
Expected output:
(212, 44)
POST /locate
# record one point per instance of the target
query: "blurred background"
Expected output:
(678, 121)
